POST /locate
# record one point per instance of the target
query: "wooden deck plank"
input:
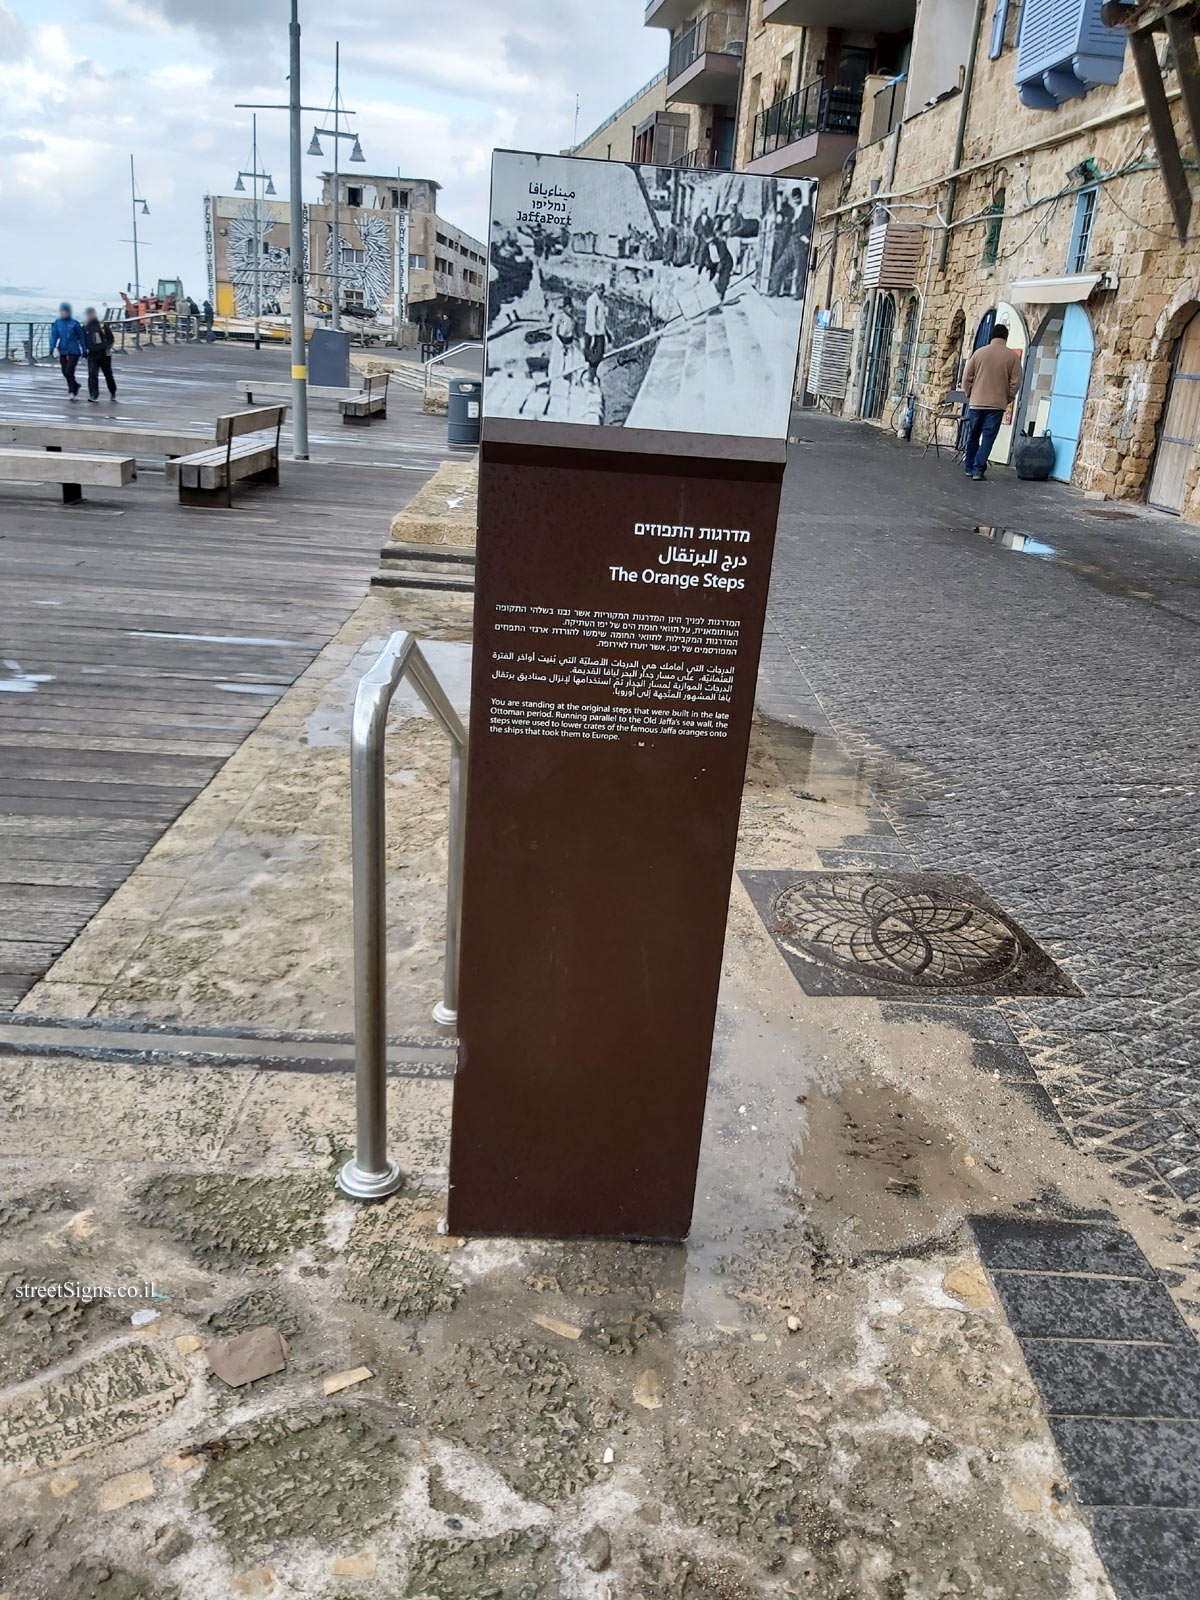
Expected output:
(121, 731)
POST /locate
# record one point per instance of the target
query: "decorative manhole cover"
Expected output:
(865, 933)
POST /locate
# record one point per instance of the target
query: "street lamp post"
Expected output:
(256, 177)
(135, 202)
(336, 133)
(295, 236)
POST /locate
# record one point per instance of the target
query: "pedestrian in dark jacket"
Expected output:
(66, 336)
(98, 338)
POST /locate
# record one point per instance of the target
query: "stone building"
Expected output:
(978, 159)
(401, 262)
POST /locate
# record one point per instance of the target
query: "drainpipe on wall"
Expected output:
(737, 110)
(961, 136)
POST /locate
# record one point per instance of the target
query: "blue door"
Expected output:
(1067, 397)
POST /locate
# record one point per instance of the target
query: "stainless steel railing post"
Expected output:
(371, 1174)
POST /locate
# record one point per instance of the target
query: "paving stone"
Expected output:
(104, 1400)
(1150, 1554)
(1043, 1306)
(1080, 1377)
(1125, 1461)
(1032, 1245)
(1002, 1060)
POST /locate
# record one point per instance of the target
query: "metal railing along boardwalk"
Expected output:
(370, 1174)
(30, 341)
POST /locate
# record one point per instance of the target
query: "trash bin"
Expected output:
(462, 417)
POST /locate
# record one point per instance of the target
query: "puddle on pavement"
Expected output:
(878, 1177)
(18, 681)
(1102, 577)
(253, 688)
(815, 766)
(215, 638)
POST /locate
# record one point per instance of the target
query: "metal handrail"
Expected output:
(370, 1175)
(471, 344)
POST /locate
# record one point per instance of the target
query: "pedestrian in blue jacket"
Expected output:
(66, 336)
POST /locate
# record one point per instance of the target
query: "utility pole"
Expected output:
(135, 202)
(295, 238)
(255, 176)
(336, 133)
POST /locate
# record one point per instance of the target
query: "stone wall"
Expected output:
(1029, 155)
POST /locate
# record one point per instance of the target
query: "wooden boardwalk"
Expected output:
(141, 641)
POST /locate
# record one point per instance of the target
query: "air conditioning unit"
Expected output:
(829, 363)
(893, 258)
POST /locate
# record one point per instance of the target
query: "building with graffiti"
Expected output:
(401, 263)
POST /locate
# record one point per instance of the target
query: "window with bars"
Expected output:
(1081, 231)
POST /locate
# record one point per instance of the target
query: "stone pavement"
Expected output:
(1030, 717)
(819, 1396)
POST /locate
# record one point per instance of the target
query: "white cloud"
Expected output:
(435, 86)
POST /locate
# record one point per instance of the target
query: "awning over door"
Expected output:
(1062, 291)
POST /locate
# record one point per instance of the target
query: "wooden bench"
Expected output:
(82, 435)
(71, 469)
(245, 448)
(357, 405)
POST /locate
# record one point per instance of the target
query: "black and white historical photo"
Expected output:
(644, 297)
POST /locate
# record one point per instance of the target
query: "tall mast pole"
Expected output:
(296, 242)
(335, 320)
(257, 244)
(137, 282)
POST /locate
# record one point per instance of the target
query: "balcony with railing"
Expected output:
(668, 13)
(810, 133)
(706, 60)
(708, 156)
(878, 16)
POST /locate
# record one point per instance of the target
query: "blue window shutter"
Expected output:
(1065, 50)
(999, 23)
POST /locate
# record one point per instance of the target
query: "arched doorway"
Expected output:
(1018, 339)
(1056, 384)
(879, 358)
(1179, 431)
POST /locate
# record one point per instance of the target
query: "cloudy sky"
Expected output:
(436, 85)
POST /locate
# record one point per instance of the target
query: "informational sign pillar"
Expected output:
(629, 489)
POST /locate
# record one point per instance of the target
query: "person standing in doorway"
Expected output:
(66, 336)
(98, 338)
(595, 328)
(990, 383)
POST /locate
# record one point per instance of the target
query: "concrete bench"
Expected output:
(357, 404)
(245, 448)
(71, 469)
(83, 436)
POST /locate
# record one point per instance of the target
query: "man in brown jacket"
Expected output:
(990, 382)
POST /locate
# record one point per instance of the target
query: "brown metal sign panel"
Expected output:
(619, 611)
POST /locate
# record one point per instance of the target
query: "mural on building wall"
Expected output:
(209, 259)
(274, 269)
(372, 276)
